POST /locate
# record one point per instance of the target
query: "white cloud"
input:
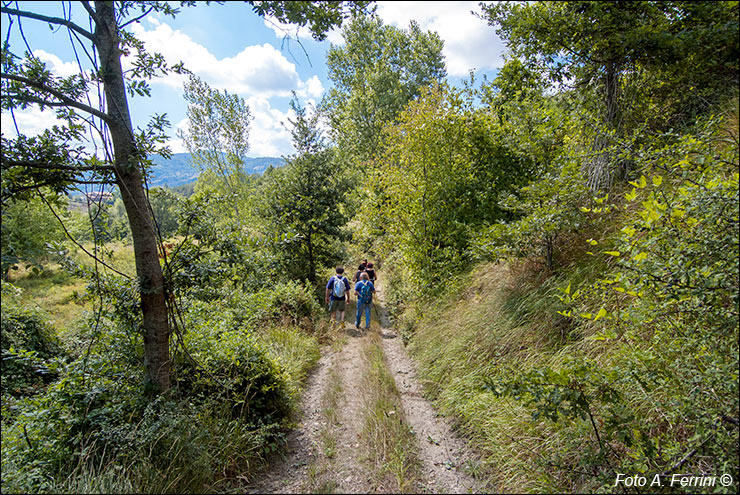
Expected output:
(31, 121)
(469, 42)
(174, 142)
(257, 73)
(312, 88)
(257, 70)
(55, 64)
(267, 135)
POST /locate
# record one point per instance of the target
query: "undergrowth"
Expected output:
(90, 427)
(624, 357)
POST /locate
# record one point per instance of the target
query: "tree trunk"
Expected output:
(311, 262)
(548, 253)
(130, 182)
(601, 170)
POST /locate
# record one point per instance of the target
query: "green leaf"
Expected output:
(600, 314)
(641, 183)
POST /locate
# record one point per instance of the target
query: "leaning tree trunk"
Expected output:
(130, 182)
(601, 169)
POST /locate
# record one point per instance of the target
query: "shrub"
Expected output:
(289, 303)
(27, 341)
(226, 366)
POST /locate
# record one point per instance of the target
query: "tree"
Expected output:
(443, 169)
(305, 198)
(602, 46)
(27, 229)
(56, 159)
(378, 71)
(218, 134)
(164, 208)
(29, 82)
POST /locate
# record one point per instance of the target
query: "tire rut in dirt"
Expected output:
(442, 453)
(288, 474)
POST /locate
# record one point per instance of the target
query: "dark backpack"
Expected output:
(366, 294)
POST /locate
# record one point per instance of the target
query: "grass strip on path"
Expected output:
(389, 442)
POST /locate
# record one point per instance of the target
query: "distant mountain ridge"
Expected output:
(179, 169)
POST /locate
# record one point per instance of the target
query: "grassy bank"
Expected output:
(497, 327)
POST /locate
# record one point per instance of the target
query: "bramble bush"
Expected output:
(231, 399)
(28, 340)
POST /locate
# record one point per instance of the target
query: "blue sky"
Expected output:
(232, 48)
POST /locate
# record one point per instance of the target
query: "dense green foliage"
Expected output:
(429, 197)
(27, 341)
(612, 316)
(79, 414)
(234, 392)
(28, 227)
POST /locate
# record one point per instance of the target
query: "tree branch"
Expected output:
(91, 12)
(71, 168)
(58, 94)
(52, 20)
(137, 18)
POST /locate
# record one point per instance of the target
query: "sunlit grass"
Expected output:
(62, 296)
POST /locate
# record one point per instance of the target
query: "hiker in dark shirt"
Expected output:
(360, 270)
(337, 295)
(371, 273)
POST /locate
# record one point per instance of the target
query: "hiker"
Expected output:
(371, 274)
(337, 291)
(363, 265)
(364, 290)
(360, 270)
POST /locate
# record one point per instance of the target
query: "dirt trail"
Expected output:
(443, 455)
(309, 467)
(306, 468)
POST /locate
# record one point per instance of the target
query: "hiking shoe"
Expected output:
(357, 327)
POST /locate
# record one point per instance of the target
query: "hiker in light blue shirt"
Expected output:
(364, 290)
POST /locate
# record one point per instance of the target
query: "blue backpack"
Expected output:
(366, 295)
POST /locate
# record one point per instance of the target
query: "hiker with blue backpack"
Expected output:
(337, 291)
(364, 290)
